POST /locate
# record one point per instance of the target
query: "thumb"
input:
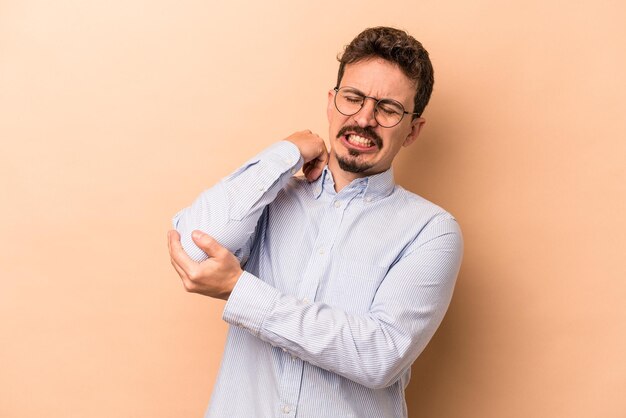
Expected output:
(206, 243)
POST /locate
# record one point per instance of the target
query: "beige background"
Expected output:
(113, 115)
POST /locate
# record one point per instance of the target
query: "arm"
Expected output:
(372, 349)
(230, 210)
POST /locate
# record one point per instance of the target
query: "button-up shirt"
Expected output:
(340, 292)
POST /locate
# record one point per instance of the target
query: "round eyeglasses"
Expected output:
(387, 112)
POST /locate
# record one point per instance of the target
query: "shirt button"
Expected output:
(368, 198)
(306, 300)
(337, 204)
(293, 171)
(261, 188)
(284, 350)
(286, 409)
(321, 251)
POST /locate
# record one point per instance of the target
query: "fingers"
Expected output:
(187, 283)
(310, 145)
(323, 158)
(179, 270)
(184, 277)
(177, 253)
(311, 172)
(314, 166)
(207, 244)
(313, 169)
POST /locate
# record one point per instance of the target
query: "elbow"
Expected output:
(387, 366)
(378, 376)
(378, 382)
(381, 380)
(184, 229)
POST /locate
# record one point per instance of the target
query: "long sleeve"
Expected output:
(373, 349)
(230, 210)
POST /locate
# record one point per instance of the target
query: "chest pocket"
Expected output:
(353, 284)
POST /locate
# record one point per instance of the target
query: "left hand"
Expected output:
(313, 151)
(214, 277)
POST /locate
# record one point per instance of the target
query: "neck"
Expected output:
(342, 178)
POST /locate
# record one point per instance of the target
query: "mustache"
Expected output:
(367, 132)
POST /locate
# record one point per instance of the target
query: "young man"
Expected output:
(346, 276)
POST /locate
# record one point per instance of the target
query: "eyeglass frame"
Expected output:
(377, 100)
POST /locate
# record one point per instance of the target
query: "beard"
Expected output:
(352, 164)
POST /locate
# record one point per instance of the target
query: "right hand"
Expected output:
(313, 151)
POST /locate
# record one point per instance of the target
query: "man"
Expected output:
(346, 276)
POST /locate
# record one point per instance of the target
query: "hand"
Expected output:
(214, 277)
(313, 151)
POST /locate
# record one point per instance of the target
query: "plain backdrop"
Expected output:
(114, 115)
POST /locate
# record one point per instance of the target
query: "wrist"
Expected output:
(229, 285)
(297, 146)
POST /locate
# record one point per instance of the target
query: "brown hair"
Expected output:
(398, 47)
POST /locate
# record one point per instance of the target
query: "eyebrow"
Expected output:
(388, 99)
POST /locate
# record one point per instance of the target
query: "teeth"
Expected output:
(359, 140)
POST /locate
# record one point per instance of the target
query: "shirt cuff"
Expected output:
(285, 155)
(249, 303)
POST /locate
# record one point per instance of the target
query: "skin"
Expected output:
(216, 277)
(381, 79)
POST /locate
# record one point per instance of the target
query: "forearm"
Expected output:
(373, 349)
(363, 348)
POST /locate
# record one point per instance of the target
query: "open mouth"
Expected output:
(359, 142)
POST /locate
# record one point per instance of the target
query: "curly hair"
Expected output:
(398, 47)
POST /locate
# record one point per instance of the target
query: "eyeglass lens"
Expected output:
(387, 112)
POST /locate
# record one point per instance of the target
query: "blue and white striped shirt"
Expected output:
(340, 293)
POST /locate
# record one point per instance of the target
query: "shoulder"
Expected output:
(425, 220)
(414, 206)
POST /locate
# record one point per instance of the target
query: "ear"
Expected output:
(416, 127)
(331, 104)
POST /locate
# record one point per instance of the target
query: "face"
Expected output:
(359, 145)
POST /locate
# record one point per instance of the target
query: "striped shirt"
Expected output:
(340, 293)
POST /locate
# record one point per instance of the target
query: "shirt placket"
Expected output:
(291, 380)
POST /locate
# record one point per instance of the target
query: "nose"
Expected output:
(367, 115)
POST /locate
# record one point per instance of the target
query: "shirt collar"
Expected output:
(370, 188)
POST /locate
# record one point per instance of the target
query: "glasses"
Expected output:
(387, 112)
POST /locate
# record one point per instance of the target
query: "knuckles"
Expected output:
(194, 275)
(190, 286)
